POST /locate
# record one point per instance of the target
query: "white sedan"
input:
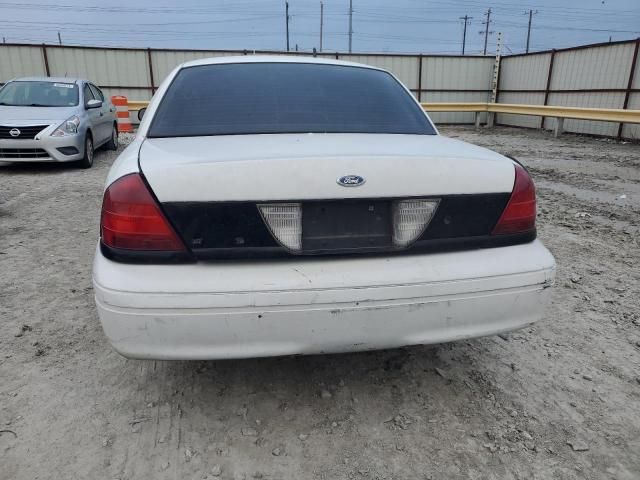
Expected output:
(278, 206)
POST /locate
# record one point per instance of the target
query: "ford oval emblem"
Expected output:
(350, 181)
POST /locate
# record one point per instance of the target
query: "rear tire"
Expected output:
(112, 144)
(87, 161)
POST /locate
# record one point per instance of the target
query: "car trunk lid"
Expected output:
(304, 167)
(249, 195)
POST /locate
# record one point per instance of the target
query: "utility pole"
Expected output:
(531, 12)
(466, 19)
(321, 22)
(486, 30)
(59, 39)
(286, 11)
(350, 24)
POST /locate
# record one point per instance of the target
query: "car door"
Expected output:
(106, 119)
(94, 115)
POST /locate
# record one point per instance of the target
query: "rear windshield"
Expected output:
(39, 94)
(253, 98)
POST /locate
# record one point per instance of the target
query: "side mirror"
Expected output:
(141, 113)
(93, 103)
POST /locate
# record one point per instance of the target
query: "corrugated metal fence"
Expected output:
(603, 75)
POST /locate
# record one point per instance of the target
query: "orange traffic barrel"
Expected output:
(122, 113)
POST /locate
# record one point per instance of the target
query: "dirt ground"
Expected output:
(560, 400)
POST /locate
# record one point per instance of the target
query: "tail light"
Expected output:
(285, 223)
(410, 219)
(132, 220)
(519, 216)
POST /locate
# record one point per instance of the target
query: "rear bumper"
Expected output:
(305, 306)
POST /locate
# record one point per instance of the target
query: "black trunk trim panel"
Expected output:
(209, 225)
(466, 216)
(213, 230)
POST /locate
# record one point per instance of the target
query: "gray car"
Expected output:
(47, 119)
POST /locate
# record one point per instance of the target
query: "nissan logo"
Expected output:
(351, 181)
(14, 132)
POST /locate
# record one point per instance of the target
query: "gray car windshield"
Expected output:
(253, 98)
(39, 94)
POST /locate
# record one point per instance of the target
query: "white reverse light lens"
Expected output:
(410, 219)
(68, 127)
(285, 222)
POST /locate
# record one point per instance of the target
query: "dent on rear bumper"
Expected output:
(230, 310)
(329, 329)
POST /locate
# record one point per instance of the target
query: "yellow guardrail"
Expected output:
(578, 113)
(558, 112)
(455, 107)
(137, 104)
(554, 111)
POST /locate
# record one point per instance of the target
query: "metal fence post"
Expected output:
(546, 90)
(46, 60)
(559, 128)
(498, 84)
(420, 78)
(627, 94)
(151, 80)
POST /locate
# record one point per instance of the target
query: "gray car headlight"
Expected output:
(68, 127)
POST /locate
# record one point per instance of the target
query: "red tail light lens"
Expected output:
(519, 216)
(132, 220)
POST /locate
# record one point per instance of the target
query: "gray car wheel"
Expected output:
(87, 161)
(112, 144)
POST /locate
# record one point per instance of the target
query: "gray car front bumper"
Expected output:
(45, 149)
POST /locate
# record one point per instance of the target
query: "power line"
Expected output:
(362, 17)
(502, 13)
(138, 24)
(238, 7)
(242, 7)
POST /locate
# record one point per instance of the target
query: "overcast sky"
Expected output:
(379, 26)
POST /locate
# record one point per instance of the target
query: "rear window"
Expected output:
(253, 98)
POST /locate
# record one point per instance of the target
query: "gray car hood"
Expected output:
(17, 116)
